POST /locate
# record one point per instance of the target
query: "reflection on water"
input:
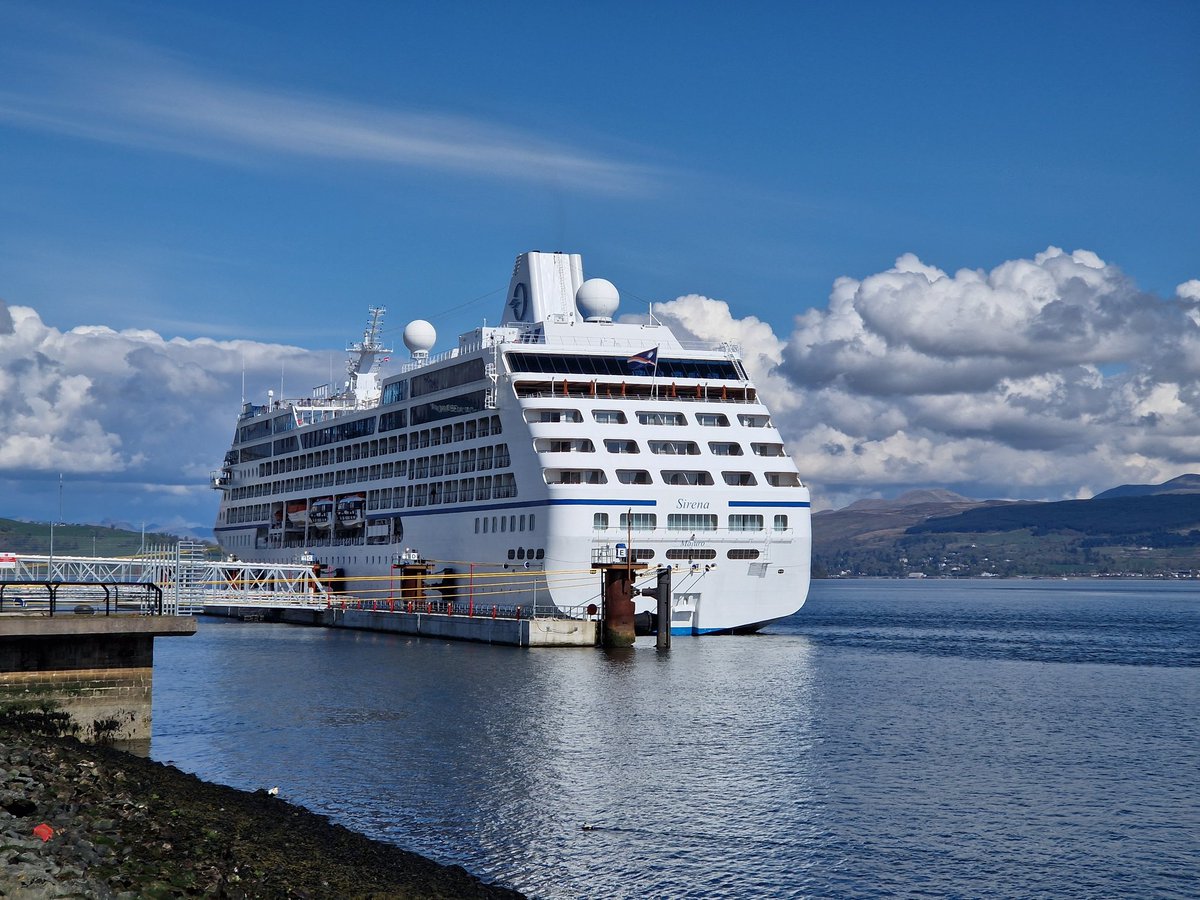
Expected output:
(889, 737)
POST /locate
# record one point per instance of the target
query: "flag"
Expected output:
(641, 362)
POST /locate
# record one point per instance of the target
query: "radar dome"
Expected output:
(419, 337)
(597, 300)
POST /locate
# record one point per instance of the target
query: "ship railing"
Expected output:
(583, 388)
(637, 345)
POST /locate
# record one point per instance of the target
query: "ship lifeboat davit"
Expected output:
(320, 513)
(352, 511)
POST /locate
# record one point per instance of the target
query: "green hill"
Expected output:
(75, 540)
(1152, 531)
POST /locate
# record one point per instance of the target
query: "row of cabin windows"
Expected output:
(676, 477)
(644, 417)
(690, 522)
(660, 448)
(481, 459)
(501, 524)
(454, 490)
(484, 426)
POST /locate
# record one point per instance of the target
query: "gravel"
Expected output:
(130, 828)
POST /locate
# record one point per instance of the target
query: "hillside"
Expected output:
(1140, 529)
(75, 540)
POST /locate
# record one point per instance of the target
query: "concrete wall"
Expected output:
(481, 629)
(98, 670)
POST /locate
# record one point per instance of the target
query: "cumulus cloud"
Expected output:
(154, 413)
(1043, 378)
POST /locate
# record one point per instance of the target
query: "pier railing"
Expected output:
(111, 598)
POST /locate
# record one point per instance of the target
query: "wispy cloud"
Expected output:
(114, 91)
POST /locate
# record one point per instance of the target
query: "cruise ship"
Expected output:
(527, 453)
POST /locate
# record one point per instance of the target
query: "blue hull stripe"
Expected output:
(441, 510)
(784, 503)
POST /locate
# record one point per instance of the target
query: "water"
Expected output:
(912, 738)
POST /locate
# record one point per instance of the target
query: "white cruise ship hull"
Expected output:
(515, 461)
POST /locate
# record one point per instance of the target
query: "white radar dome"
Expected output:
(597, 299)
(419, 337)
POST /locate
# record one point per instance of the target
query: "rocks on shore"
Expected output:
(130, 828)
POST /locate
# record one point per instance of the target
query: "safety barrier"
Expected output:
(140, 598)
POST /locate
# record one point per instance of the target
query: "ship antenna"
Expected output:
(369, 347)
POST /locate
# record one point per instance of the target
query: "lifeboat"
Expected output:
(297, 513)
(352, 511)
(320, 512)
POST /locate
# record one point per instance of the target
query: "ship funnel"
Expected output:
(543, 286)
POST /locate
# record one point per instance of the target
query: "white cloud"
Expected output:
(117, 92)
(1044, 378)
(94, 401)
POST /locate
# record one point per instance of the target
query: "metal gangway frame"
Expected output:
(188, 578)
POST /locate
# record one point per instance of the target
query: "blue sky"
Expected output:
(266, 171)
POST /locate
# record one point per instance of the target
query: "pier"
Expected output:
(473, 605)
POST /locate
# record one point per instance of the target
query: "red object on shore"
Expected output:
(44, 831)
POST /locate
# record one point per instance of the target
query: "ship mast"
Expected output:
(364, 381)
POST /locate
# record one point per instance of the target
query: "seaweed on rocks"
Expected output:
(125, 827)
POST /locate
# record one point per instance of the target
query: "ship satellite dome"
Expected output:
(597, 300)
(419, 337)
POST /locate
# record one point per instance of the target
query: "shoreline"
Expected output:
(127, 827)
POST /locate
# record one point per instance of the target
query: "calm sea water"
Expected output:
(895, 738)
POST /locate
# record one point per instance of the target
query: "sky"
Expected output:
(958, 242)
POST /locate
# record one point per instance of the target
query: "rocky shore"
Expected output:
(79, 820)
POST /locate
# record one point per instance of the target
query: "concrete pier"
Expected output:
(96, 669)
(523, 632)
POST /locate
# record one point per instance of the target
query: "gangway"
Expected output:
(188, 579)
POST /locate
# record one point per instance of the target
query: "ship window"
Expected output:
(742, 553)
(599, 521)
(691, 553)
(638, 553)
(691, 522)
(745, 522)
(541, 553)
(767, 449)
(531, 521)
(535, 416)
(395, 392)
(783, 479)
(563, 445)
(661, 418)
(639, 521)
(712, 420)
(686, 477)
(724, 448)
(469, 430)
(621, 446)
(485, 524)
(520, 553)
(633, 476)
(575, 476)
(609, 416)
(503, 524)
(675, 448)
(739, 479)
(754, 421)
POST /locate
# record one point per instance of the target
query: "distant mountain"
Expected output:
(1189, 484)
(1143, 529)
